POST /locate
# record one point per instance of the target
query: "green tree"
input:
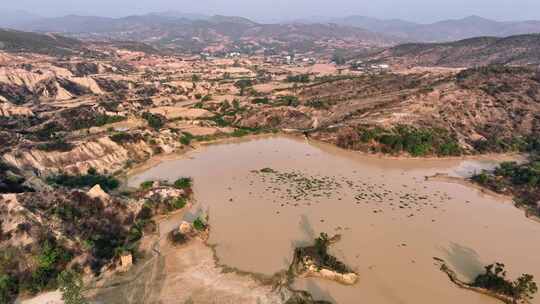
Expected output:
(183, 183)
(199, 224)
(155, 121)
(243, 84)
(71, 285)
(338, 58)
(8, 288)
(525, 287)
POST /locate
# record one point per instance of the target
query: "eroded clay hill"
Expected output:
(483, 108)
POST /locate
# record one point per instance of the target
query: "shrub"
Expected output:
(178, 203)
(268, 170)
(49, 260)
(183, 183)
(177, 238)
(102, 120)
(324, 258)
(146, 185)
(318, 104)
(49, 131)
(199, 224)
(90, 179)
(186, 138)
(71, 285)
(124, 137)
(481, 178)
(303, 78)
(289, 100)
(494, 279)
(240, 133)
(57, 145)
(155, 121)
(220, 121)
(236, 104)
(263, 100)
(338, 58)
(243, 84)
(415, 141)
(8, 288)
(449, 148)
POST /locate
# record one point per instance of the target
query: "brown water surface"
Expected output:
(392, 221)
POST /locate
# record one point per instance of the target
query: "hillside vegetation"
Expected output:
(17, 41)
(513, 50)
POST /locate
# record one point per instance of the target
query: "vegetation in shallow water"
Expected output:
(521, 180)
(183, 183)
(324, 258)
(200, 224)
(177, 203)
(529, 144)
(146, 185)
(494, 279)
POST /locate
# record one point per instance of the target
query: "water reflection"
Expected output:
(317, 292)
(464, 260)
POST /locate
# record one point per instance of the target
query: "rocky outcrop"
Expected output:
(97, 192)
(126, 261)
(102, 154)
(163, 193)
(314, 270)
(19, 85)
(185, 228)
(89, 83)
(7, 110)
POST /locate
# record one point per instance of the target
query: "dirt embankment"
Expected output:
(186, 273)
(101, 153)
(482, 110)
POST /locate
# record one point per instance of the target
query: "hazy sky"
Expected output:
(414, 10)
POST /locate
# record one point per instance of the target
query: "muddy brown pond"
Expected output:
(392, 220)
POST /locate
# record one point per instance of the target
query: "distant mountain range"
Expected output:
(442, 31)
(516, 50)
(198, 32)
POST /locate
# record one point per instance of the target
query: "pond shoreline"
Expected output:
(273, 147)
(200, 146)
